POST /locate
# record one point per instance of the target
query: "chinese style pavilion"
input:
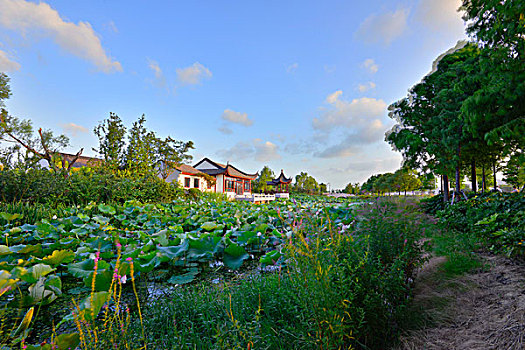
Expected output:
(281, 183)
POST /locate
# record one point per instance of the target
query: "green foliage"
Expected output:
(110, 133)
(334, 262)
(305, 183)
(260, 184)
(343, 287)
(145, 154)
(81, 187)
(352, 188)
(496, 219)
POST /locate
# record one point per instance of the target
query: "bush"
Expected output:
(83, 186)
(344, 286)
(497, 219)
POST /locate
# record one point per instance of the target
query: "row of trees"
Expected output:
(303, 183)
(403, 180)
(135, 152)
(469, 113)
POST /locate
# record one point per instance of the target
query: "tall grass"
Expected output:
(344, 286)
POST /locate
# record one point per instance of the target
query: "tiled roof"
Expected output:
(228, 169)
(188, 169)
(280, 180)
(82, 161)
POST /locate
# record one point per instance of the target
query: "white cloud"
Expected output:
(160, 79)
(440, 15)
(225, 130)
(6, 64)
(236, 117)
(265, 151)
(193, 74)
(74, 129)
(360, 121)
(365, 87)
(370, 65)
(332, 98)
(40, 19)
(292, 68)
(261, 151)
(383, 28)
(363, 113)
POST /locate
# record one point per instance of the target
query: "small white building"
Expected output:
(229, 180)
(187, 177)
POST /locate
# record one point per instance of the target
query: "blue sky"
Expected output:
(296, 85)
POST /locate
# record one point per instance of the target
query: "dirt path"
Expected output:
(482, 310)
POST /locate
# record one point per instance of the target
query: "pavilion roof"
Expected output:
(281, 179)
(227, 169)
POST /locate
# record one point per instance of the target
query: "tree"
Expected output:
(497, 110)
(323, 188)
(145, 152)
(432, 132)
(306, 184)
(352, 188)
(111, 134)
(407, 180)
(260, 184)
(428, 181)
(140, 153)
(27, 149)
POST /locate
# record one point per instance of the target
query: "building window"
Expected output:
(247, 186)
(230, 184)
(196, 183)
(187, 182)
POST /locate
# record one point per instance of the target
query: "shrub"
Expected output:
(83, 186)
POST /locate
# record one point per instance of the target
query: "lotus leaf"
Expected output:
(184, 278)
(234, 255)
(59, 257)
(270, 258)
(206, 247)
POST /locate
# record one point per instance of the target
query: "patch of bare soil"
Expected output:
(481, 310)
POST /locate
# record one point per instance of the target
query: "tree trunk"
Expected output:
(494, 175)
(446, 194)
(458, 185)
(483, 179)
(473, 175)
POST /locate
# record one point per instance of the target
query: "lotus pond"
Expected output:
(90, 249)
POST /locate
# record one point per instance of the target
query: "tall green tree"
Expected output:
(144, 152)
(260, 184)
(496, 111)
(432, 132)
(305, 183)
(111, 135)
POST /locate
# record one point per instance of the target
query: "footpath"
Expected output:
(483, 309)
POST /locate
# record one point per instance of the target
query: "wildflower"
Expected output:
(130, 259)
(123, 279)
(118, 244)
(54, 217)
(259, 234)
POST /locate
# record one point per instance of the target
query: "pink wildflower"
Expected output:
(129, 259)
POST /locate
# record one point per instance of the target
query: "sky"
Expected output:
(295, 85)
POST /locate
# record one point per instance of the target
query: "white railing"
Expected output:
(255, 197)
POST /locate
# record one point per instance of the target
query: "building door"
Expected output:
(238, 187)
